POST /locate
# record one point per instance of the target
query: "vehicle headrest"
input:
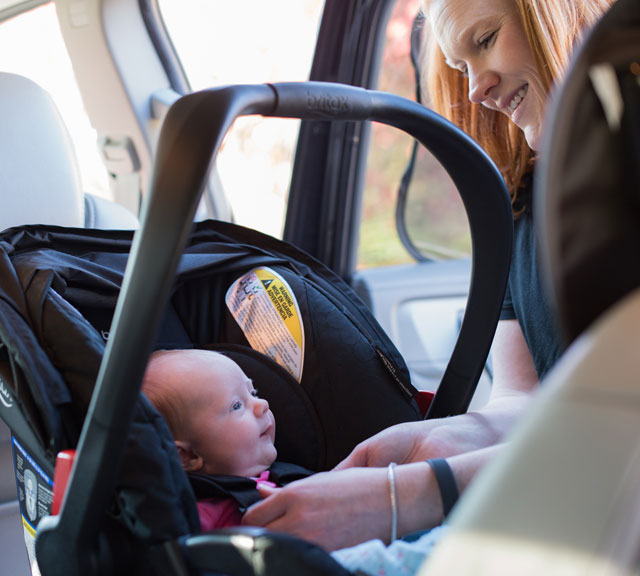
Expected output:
(39, 176)
(587, 189)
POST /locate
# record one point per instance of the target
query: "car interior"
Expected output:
(114, 150)
(167, 219)
(33, 134)
(566, 506)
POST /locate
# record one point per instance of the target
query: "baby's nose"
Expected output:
(261, 406)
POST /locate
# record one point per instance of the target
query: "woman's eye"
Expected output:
(486, 40)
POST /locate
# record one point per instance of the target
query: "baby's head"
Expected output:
(219, 424)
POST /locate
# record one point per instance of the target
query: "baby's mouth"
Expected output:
(267, 430)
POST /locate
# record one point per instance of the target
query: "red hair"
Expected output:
(553, 28)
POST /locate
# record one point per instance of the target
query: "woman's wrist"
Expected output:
(447, 484)
(417, 497)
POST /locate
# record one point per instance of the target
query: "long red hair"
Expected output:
(553, 28)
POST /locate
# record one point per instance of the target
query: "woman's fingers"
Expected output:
(267, 510)
(333, 509)
(265, 490)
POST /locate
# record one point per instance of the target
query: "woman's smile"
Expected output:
(514, 104)
(487, 41)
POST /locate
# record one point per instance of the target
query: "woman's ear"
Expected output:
(191, 460)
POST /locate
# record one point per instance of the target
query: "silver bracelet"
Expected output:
(394, 502)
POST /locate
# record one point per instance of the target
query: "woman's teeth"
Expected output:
(517, 99)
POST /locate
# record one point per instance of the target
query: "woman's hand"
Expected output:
(418, 441)
(332, 509)
(352, 504)
(515, 382)
(402, 443)
(343, 508)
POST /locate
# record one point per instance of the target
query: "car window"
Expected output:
(221, 42)
(31, 45)
(435, 218)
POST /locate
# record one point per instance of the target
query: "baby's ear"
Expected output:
(191, 460)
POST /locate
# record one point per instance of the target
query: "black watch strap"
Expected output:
(446, 482)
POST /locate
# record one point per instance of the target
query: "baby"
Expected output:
(219, 424)
(224, 434)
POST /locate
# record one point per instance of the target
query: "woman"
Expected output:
(490, 71)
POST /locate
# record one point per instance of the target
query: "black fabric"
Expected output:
(154, 499)
(243, 490)
(56, 355)
(526, 298)
(30, 364)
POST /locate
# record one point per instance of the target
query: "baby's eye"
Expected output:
(236, 405)
(254, 393)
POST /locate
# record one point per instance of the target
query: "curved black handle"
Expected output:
(485, 198)
(190, 138)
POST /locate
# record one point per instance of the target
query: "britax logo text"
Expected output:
(327, 103)
(5, 397)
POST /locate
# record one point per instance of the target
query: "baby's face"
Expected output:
(232, 428)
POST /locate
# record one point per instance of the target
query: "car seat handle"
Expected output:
(191, 136)
(484, 195)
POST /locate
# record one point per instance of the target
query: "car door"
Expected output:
(331, 189)
(407, 258)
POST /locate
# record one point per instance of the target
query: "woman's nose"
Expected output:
(481, 83)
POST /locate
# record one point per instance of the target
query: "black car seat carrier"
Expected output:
(81, 310)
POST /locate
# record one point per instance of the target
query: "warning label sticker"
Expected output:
(266, 309)
(35, 495)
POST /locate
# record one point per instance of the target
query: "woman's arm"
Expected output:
(350, 505)
(513, 370)
(515, 381)
(339, 509)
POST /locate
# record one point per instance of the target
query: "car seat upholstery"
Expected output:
(39, 184)
(38, 169)
(105, 214)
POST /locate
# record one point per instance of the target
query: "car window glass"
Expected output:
(435, 217)
(221, 42)
(31, 45)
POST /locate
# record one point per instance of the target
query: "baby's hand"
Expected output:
(266, 490)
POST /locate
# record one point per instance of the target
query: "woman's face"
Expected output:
(486, 40)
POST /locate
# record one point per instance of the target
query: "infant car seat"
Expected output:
(89, 306)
